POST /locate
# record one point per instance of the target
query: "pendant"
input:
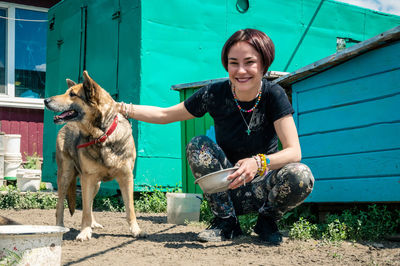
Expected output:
(248, 131)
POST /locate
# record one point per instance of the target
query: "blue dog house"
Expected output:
(347, 112)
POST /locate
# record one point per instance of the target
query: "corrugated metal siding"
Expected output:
(26, 122)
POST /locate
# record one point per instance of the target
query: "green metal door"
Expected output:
(63, 54)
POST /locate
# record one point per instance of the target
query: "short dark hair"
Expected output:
(258, 39)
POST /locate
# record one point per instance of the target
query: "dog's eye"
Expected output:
(72, 94)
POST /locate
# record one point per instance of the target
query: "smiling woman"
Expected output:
(249, 114)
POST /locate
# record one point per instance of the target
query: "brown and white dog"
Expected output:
(97, 145)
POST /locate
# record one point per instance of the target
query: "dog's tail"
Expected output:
(71, 197)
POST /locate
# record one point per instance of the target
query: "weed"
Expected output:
(206, 214)
(155, 201)
(335, 231)
(302, 230)
(10, 257)
(30, 200)
(42, 186)
(32, 161)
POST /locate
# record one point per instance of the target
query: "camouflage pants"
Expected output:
(272, 195)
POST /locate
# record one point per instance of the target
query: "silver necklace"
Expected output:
(248, 131)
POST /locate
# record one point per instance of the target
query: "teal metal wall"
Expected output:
(138, 53)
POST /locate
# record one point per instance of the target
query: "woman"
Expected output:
(250, 114)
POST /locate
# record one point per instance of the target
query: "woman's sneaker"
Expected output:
(267, 230)
(221, 229)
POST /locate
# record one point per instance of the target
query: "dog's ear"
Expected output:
(90, 88)
(70, 83)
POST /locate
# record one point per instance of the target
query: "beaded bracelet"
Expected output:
(264, 167)
(126, 109)
(258, 161)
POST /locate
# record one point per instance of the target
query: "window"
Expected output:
(30, 53)
(23, 32)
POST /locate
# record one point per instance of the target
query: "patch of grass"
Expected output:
(247, 222)
(30, 200)
(206, 214)
(10, 257)
(334, 231)
(155, 201)
(303, 229)
(373, 223)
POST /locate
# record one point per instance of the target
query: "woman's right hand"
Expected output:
(247, 171)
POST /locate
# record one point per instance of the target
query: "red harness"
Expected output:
(102, 138)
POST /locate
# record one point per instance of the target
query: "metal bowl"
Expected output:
(216, 182)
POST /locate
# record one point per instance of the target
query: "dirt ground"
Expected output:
(169, 244)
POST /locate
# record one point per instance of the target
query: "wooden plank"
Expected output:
(363, 114)
(382, 163)
(351, 91)
(372, 138)
(378, 189)
(295, 105)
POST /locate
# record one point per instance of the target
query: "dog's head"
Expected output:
(79, 101)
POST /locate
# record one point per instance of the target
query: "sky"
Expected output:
(386, 6)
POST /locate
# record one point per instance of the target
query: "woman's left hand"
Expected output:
(247, 171)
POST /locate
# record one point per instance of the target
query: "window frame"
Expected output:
(8, 99)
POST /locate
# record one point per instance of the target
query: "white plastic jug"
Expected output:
(182, 207)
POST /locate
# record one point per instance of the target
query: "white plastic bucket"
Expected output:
(36, 244)
(12, 143)
(182, 207)
(28, 179)
(12, 161)
(2, 141)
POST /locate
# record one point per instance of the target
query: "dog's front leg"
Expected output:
(126, 186)
(88, 183)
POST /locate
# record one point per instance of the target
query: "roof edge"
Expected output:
(330, 61)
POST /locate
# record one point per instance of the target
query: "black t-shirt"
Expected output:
(230, 129)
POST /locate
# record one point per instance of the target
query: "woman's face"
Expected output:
(245, 68)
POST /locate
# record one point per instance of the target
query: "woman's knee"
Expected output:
(201, 156)
(299, 176)
(197, 142)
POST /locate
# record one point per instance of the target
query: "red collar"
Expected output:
(102, 138)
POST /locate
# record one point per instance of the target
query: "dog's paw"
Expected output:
(85, 234)
(139, 234)
(136, 232)
(96, 225)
